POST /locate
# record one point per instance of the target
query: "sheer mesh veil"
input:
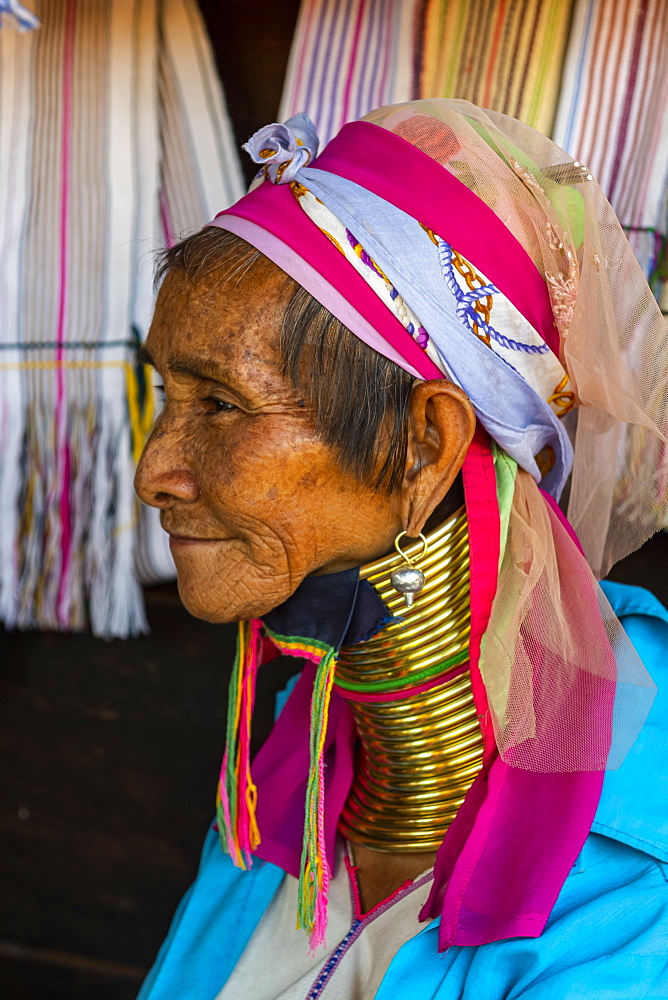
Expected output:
(613, 338)
(555, 658)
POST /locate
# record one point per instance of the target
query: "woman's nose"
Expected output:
(163, 477)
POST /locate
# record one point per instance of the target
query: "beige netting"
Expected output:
(566, 688)
(614, 340)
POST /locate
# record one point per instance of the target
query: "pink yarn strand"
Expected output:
(237, 794)
(317, 936)
(245, 789)
(225, 803)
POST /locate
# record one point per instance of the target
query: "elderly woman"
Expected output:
(382, 368)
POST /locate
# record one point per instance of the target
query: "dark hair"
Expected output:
(359, 398)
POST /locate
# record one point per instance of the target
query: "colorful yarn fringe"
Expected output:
(314, 873)
(237, 794)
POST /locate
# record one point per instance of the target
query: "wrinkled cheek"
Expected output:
(247, 476)
(231, 585)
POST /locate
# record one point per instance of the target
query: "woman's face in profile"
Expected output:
(252, 498)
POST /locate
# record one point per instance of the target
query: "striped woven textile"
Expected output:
(349, 56)
(113, 135)
(613, 111)
(501, 54)
(591, 73)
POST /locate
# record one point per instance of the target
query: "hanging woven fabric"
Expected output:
(503, 56)
(613, 113)
(347, 59)
(113, 136)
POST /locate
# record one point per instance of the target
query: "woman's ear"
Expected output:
(442, 424)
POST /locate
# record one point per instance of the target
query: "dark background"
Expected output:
(111, 750)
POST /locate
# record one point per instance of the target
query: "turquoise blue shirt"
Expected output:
(607, 936)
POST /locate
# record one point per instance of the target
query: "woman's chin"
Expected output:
(224, 605)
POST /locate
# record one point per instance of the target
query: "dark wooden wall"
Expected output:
(110, 751)
(110, 759)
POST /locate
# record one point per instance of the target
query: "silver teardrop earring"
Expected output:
(409, 580)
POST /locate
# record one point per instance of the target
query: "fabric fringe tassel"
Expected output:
(314, 873)
(71, 515)
(237, 795)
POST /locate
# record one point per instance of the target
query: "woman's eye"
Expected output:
(219, 405)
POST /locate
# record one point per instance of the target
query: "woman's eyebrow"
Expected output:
(196, 367)
(204, 369)
(207, 370)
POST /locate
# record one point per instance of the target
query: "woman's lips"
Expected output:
(183, 541)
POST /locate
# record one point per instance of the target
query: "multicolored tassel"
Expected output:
(314, 873)
(237, 795)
